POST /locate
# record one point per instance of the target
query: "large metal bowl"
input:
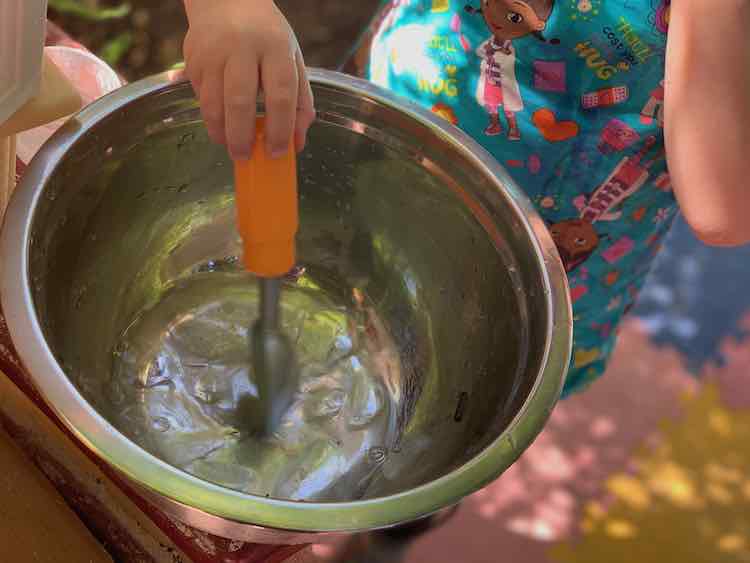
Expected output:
(130, 198)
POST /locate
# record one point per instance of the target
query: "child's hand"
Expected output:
(234, 48)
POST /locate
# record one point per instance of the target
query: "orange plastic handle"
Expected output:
(267, 208)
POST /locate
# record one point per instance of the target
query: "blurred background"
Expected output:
(142, 37)
(653, 463)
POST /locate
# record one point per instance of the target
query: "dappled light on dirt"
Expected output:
(687, 500)
(650, 456)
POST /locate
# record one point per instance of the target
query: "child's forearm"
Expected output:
(188, 5)
(707, 116)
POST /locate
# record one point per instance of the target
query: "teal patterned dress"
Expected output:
(568, 96)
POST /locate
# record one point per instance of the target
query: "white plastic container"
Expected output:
(22, 31)
(39, 87)
(92, 78)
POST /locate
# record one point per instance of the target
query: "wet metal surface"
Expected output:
(274, 363)
(133, 306)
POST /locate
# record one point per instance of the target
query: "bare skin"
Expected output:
(707, 116)
(233, 50)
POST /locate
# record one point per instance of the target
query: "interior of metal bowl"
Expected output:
(405, 234)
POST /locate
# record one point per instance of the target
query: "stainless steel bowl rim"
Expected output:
(306, 517)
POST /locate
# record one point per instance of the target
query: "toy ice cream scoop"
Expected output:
(267, 211)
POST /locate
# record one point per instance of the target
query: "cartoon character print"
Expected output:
(497, 87)
(576, 239)
(654, 108)
(662, 16)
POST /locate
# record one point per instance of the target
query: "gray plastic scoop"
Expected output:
(274, 361)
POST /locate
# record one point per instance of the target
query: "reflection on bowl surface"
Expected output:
(181, 384)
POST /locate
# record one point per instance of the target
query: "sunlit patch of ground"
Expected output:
(688, 499)
(648, 463)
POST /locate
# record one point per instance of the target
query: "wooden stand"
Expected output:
(35, 520)
(7, 171)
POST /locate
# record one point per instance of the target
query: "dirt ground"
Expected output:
(326, 28)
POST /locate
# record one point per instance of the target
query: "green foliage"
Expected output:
(84, 11)
(114, 49)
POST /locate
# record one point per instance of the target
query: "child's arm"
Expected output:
(234, 48)
(707, 116)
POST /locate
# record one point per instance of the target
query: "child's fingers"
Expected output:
(212, 104)
(191, 72)
(279, 76)
(240, 97)
(305, 104)
(195, 82)
(194, 75)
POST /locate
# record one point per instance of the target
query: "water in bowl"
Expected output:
(182, 379)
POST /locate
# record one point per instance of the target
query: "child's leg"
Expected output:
(413, 530)
(390, 546)
(493, 101)
(514, 134)
(494, 127)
